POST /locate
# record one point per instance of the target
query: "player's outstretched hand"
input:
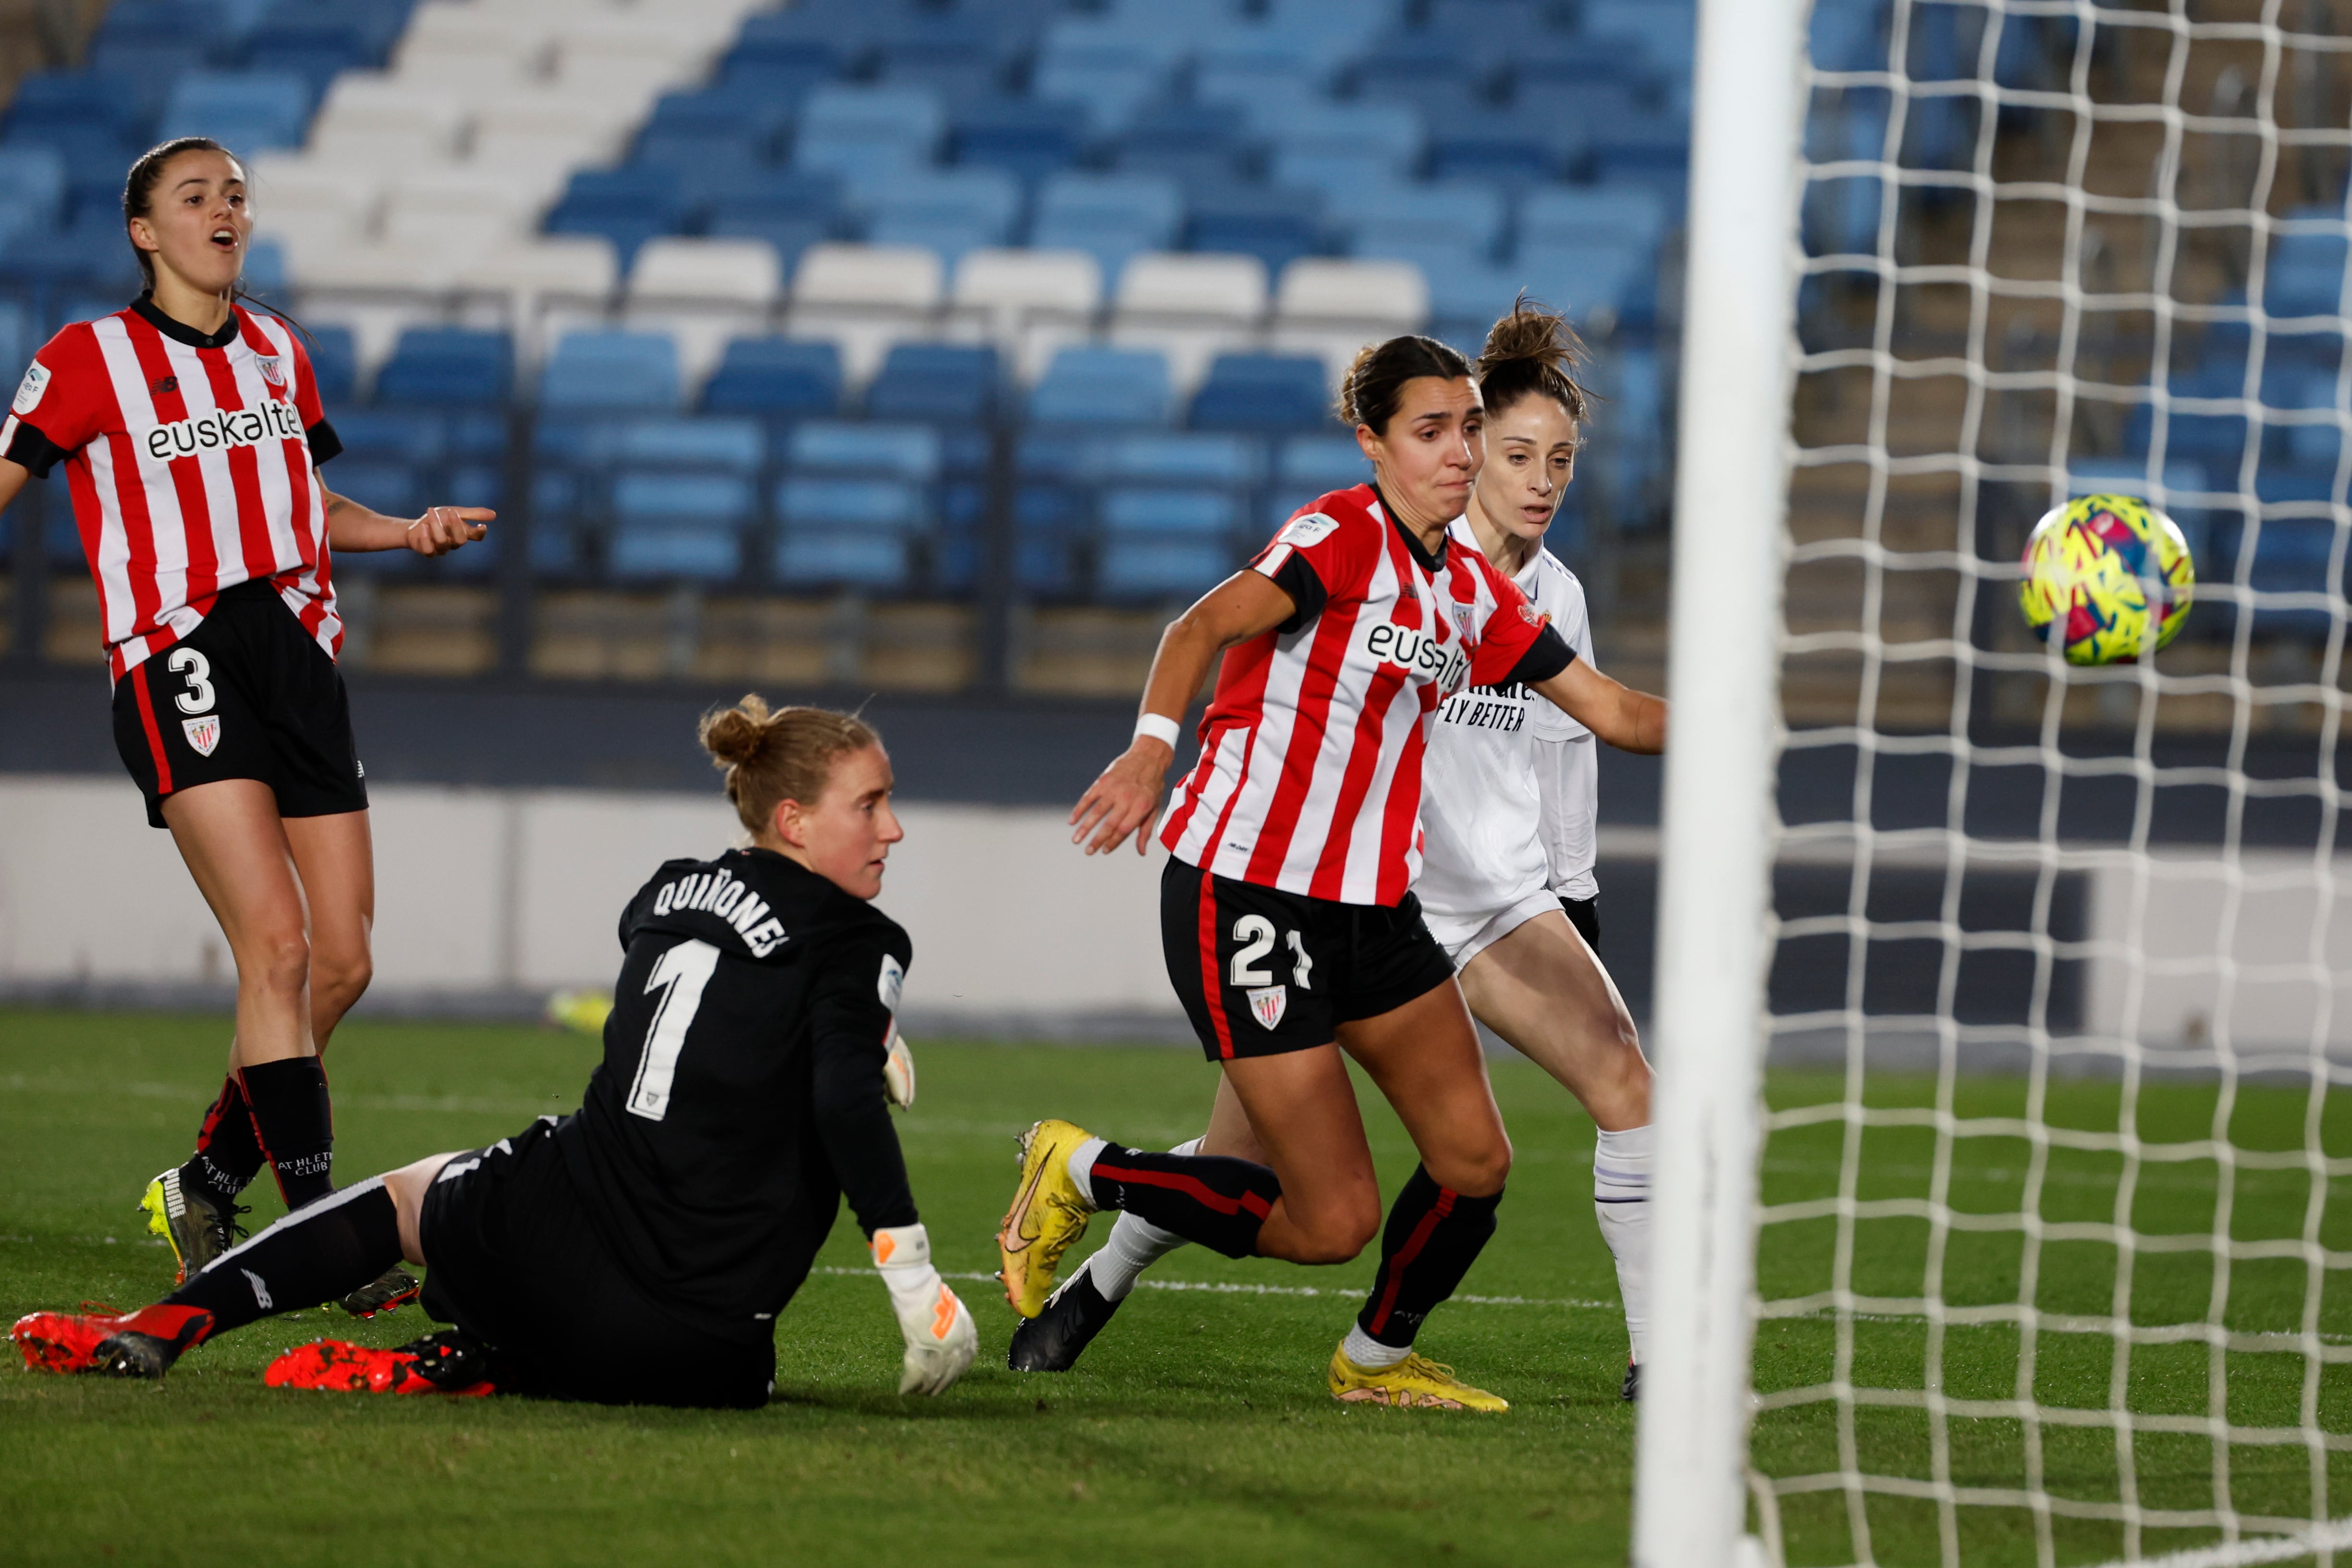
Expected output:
(445, 527)
(1123, 799)
(899, 1070)
(940, 1337)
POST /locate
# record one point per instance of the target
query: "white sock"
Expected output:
(1082, 1167)
(1621, 1197)
(1135, 1244)
(1368, 1352)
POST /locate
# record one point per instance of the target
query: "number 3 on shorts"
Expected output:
(197, 671)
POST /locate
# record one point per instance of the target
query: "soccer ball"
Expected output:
(2108, 578)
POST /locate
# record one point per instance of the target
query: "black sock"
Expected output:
(316, 1254)
(228, 1153)
(291, 1118)
(1434, 1235)
(1208, 1198)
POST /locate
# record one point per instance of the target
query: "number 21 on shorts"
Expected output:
(1253, 937)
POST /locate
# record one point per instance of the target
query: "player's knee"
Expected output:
(1480, 1172)
(277, 961)
(341, 979)
(1340, 1234)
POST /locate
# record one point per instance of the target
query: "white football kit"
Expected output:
(1510, 791)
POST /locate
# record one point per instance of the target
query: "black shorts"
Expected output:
(247, 695)
(1263, 972)
(1585, 914)
(513, 1259)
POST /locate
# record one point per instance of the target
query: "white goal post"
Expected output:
(1731, 489)
(2035, 1245)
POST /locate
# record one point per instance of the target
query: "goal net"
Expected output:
(2005, 1211)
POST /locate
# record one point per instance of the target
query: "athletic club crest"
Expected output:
(1267, 1003)
(204, 734)
(273, 369)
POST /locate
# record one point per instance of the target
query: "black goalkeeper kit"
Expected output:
(640, 1251)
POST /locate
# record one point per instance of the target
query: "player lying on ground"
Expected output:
(1286, 915)
(191, 434)
(638, 1250)
(1510, 794)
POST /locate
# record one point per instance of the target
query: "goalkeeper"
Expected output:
(638, 1250)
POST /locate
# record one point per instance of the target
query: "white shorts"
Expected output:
(1465, 936)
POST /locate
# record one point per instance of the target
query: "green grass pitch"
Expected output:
(1196, 1431)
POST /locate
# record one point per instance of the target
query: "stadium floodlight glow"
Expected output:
(1730, 494)
(2049, 1258)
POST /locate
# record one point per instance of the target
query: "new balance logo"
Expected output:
(260, 1291)
(224, 427)
(165, 386)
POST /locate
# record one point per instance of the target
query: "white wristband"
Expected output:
(1160, 728)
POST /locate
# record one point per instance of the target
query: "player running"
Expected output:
(1286, 917)
(191, 434)
(1509, 807)
(638, 1250)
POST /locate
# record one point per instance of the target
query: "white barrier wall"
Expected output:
(493, 891)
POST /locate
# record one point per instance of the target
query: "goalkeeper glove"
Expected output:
(899, 1070)
(941, 1338)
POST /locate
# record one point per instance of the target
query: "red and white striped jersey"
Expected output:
(192, 461)
(1310, 777)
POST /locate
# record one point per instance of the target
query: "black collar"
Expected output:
(180, 332)
(1430, 562)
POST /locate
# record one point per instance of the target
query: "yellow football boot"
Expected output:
(1415, 1381)
(1048, 1213)
(198, 1228)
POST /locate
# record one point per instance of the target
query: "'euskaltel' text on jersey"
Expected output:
(192, 461)
(1310, 777)
(741, 1095)
(1492, 833)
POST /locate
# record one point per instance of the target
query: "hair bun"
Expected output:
(1533, 349)
(735, 735)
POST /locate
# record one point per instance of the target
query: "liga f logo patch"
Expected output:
(203, 732)
(1268, 1003)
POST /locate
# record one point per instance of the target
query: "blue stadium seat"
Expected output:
(756, 113)
(1102, 386)
(2307, 270)
(249, 111)
(908, 454)
(948, 210)
(1849, 35)
(1159, 567)
(316, 40)
(1201, 146)
(1455, 214)
(1648, 153)
(1503, 147)
(335, 361)
(775, 377)
(1571, 215)
(805, 38)
(151, 64)
(680, 525)
(1339, 148)
(1101, 66)
(1311, 466)
(83, 100)
(2291, 555)
(709, 443)
(790, 209)
(950, 382)
(1112, 216)
(1250, 63)
(1268, 393)
(396, 490)
(32, 188)
(834, 559)
(445, 365)
(627, 205)
(91, 253)
(1231, 461)
(415, 437)
(1275, 225)
(611, 371)
(1203, 514)
(868, 134)
(1027, 138)
(874, 506)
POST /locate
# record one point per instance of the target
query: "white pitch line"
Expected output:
(2336, 1532)
(1232, 1288)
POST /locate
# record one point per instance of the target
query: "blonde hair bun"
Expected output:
(773, 755)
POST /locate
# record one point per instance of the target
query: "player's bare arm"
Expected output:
(1628, 720)
(1125, 797)
(354, 528)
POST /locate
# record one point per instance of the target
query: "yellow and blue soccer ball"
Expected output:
(2107, 579)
